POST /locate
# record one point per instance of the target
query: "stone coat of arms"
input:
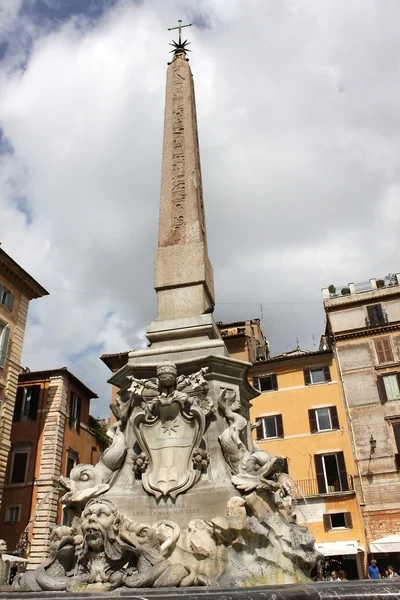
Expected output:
(169, 420)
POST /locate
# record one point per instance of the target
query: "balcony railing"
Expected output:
(376, 320)
(310, 487)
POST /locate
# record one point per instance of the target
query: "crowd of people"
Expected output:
(373, 572)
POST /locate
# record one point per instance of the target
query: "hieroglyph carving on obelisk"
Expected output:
(183, 273)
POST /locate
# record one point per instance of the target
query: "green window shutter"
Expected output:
(4, 346)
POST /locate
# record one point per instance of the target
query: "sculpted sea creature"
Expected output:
(52, 574)
(251, 469)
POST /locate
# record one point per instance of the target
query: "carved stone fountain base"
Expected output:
(326, 590)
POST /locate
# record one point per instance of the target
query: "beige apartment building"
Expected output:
(17, 288)
(363, 326)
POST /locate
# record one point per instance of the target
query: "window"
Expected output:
(72, 461)
(389, 386)
(266, 383)
(331, 473)
(13, 514)
(323, 419)
(338, 521)
(26, 403)
(376, 316)
(19, 463)
(4, 339)
(269, 427)
(314, 375)
(75, 412)
(396, 432)
(6, 297)
(384, 350)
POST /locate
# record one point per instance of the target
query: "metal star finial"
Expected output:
(180, 46)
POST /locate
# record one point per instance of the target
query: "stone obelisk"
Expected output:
(183, 275)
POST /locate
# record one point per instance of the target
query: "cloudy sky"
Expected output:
(299, 122)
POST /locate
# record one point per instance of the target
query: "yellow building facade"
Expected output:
(300, 415)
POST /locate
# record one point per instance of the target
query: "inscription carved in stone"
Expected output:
(178, 189)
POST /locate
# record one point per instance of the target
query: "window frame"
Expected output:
(327, 520)
(325, 371)
(274, 382)
(278, 427)
(6, 297)
(382, 388)
(8, 519)
(75, 419)
(15, 451)
(4, 342)
(381, 351)
(321, 474)
(333, 417)
(376, 315)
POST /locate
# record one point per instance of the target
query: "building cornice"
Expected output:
(20, 278)
(361, 298)
(367, 331)
(37, 376)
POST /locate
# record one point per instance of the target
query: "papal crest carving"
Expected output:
(169, 425)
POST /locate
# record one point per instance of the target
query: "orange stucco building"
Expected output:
(300, 415)
(17, 288)
(50, 435)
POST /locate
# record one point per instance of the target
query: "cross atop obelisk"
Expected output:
(180, 45)
(183, 273)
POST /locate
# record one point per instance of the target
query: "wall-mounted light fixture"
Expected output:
(372, 443)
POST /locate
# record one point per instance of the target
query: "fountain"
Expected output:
(183, 497)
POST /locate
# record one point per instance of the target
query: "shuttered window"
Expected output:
(323, 419)
(331, 473)
(6, 297)
(389, 386)
(337, 521)
(266, 383)
(313, 375)
(270, 427)
(26, 403)
(384, 351)
(4, 340)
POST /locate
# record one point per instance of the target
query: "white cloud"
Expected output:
(298, 117)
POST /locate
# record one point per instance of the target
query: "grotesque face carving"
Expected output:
(98, 522)
(3, 546)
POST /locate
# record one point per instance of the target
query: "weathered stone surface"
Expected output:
(183, 275)
(352, 590)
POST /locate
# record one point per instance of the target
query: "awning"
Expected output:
(13, 559)
(390, 543)
(338, 548)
